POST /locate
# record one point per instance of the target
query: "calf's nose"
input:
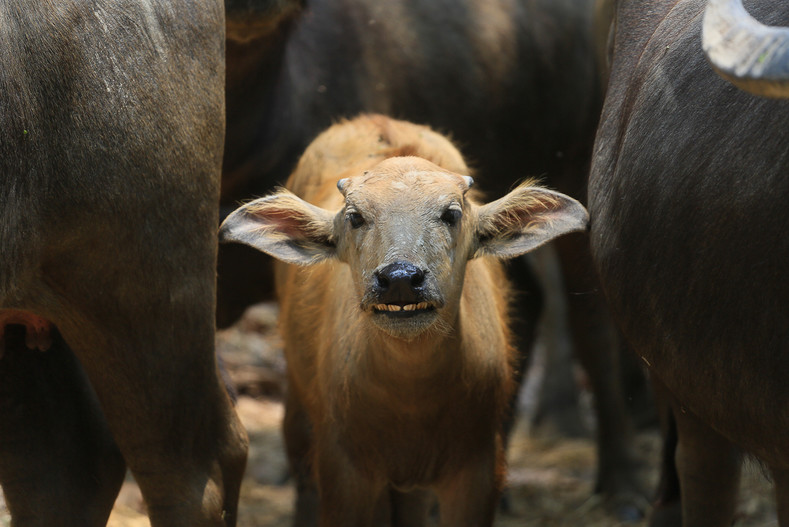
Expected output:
(399, 282)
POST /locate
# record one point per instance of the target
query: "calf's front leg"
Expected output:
(468, 497)
(348, 498)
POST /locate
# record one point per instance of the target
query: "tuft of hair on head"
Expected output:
(406, 139)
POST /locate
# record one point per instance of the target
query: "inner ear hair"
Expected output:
(526, 218)
(521, 209)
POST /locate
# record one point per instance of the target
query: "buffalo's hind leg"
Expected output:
(172, 419)
(151, 360)
(667, 508)
(529, 303)
(597, 348)
(709, 473)
(59, 465)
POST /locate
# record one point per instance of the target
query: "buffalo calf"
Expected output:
(397, 339)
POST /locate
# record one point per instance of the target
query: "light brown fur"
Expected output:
(413, 413)
(378, 401)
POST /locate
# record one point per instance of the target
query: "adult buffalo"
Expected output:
(514, 84)
(111, 129)
(687, 196)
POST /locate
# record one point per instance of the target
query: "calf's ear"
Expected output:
(524, 219)
(284, 226)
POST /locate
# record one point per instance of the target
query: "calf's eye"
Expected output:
(355, 219)
(451, 216)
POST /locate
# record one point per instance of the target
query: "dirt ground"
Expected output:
(550, 477)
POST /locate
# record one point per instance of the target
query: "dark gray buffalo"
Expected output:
(688, 197)
(514, 83)
(111, 129)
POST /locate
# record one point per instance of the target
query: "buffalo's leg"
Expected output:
(409, 509)
(174, 422)
(558, 393)
(347, 498)
(298, 444)
(468, 498)
(667, 510)
(59, 466)
(151, 360)
(709, 473)
(597, 348)
(528, 307)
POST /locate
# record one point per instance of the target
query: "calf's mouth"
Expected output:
(403, 310)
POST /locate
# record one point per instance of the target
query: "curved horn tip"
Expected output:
(752, 56)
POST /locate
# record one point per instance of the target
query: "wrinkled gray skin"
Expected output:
(687, 195)
(111, 131)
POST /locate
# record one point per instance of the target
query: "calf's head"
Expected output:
(407, 229)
